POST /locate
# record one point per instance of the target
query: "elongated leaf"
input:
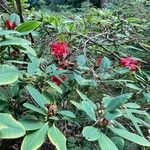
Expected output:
(132, 105)
(38, 97)
(90, 133)
(57, 138)
(89, 110)
(105, 65)
(147, 96)
(78, 105)
(134, 121)
(14, 41)
(132, 86)
(8, 74)
(130, 136)
(34, 108)
(85, 98)
(56, 87)
(67, 113)
(117, 102)
(33, 66)
(119, 142)
(82, 81)
(105, 142)
(113, 115)
(11, 128)
(31, 123)
(34, 140)
(28, 26)
(81, 60)
(8, 32)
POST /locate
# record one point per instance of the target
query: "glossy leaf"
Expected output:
(56, 87)
(89, 110)
(90, 133)
(34, 140)
(130, 136)
(10, 128)
(30, 123)
(28, 26)
(117, 102)
(8, 74)
(38, 97)
(67, 113)
(57, 138)
(34, 108)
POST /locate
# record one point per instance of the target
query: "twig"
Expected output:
(5, 9)
(19, 8)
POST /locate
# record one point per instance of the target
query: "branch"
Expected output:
(5, 9)
(19, 8)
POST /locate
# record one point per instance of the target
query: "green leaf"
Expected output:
(105, 65)
(28, 26)
(117, 102)
(85, 98)
(81, 81)
(67, 113)
(105, 142)
(130, 136)
(93, 134)
(119, 142)
(81, 60)
(78, 105)
(147, 96)
(8, 32)
(34, 140)
(8, 74)
(133, 48)
(34, 108)
(132, 86)
(132, 105)
(57, 138)
(56, 87)
(30, 123)
(113, 115)
(11, 128)
(38, 97)
(90, 133)
(33, 66)
(14, 41)
(134, 121)
(89, 110)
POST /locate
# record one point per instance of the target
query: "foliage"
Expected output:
(75, 81)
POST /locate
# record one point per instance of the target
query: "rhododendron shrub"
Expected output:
(69, 84)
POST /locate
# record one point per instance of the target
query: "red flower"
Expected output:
(99, 61)
(59, 49)
(10, 25)
(129, 62)
(58, 81)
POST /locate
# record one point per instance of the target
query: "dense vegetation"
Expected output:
(75, 78)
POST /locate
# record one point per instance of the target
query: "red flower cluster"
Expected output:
(129, 62)
(10, 25)
(99, 61)
(58, 81)
(59, 49)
